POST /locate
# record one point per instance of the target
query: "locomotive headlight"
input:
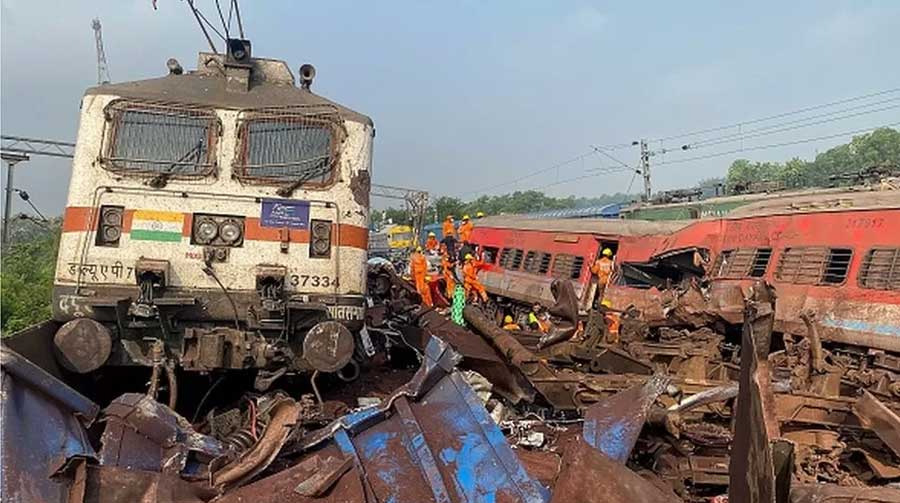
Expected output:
(206, 230)
(231, 231)
(320, 239)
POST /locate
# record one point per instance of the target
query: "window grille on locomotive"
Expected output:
(288, 146)
(880, 269)
(160, 139)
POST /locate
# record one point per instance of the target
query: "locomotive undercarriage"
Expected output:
(205, 330)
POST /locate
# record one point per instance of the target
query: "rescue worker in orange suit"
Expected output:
(509, 324)
(465, 229)
(431, 244)
(448, 228)
(447, 268)
(470, 278)
(449, 231)
(602, 268)
(613, 321)
(418, 266)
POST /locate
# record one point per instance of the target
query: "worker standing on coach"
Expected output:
(418, 266)
(447, 267)
(431, 244)
(449, 231)
(465, 229)
(603, 268)
(470, 278)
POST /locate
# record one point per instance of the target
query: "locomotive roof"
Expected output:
(271, 85)
(860, 199)
(603, 226)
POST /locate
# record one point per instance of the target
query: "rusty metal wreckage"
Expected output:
(672, 412)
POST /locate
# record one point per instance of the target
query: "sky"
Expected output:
(469, 95)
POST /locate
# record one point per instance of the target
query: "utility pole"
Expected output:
(645, 170)
(102, 66)
(11, 158)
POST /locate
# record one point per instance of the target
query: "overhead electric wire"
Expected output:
(756, 133)
(797, 121)
(775, 145)
(778, 116)
(594, 149)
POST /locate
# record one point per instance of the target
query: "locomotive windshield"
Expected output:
(288, 150)
(161, 140)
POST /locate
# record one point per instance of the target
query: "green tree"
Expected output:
(26, 281)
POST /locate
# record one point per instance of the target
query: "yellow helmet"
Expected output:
(431, 235)
(606, 303)
(469, 256)
(480, 214)
(508, 319)
(419, 249)
(465, 217)
(607, 252)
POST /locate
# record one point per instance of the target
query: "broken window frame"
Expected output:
(887, 273)
(311, 116)
(113, 161)
(490, 254)
(567, 266)
(742, 263)
(811, 265)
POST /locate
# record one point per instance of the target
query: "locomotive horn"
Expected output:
(307, 74)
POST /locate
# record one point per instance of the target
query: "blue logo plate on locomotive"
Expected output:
(285, 213)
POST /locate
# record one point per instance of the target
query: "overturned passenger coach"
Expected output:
(216, 219)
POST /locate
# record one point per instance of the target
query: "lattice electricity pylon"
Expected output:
(102, 66)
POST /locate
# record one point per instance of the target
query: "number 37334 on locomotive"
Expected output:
(216, 219)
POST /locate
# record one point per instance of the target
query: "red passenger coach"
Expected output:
(525, 256)
(836, 257)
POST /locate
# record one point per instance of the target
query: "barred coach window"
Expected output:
(288, 149)
(160, 139)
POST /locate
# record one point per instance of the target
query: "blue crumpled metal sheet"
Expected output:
(431, 441)
(44, 428)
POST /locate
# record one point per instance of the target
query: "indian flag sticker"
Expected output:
(148, 225)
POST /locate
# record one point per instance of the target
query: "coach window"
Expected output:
(490, 254)
(567, 266)
(511, 258)
(742, 263)
(814, 265)
(166, 141)
(880, 269)
(292, 149)
(537, 262)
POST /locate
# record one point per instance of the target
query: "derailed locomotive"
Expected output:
(216, 219)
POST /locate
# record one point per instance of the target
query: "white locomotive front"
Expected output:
(216, 219)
